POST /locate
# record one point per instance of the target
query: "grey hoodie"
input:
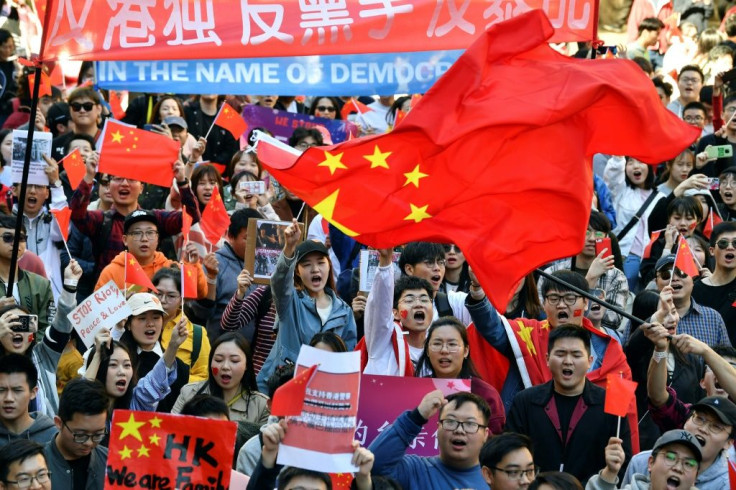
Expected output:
(714, 478)
(638, 482)
(42, 430)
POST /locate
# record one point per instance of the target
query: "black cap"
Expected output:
(680, 436)
(139, 215)
(724, 408)
(175, 121)
(308, 247)
(664, 261)
(58, 113)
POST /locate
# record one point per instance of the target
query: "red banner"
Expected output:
(161, 450)
(159, 29)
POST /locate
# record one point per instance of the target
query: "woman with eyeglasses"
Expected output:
(446, 355)
(327, 107)
(195, 350)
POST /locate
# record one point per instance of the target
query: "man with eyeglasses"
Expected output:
(507, 462)
(673, 463)
(689, 83)
(565, 417)
(75, 457)
(141, 238)
(23, 465)
(727, 191)
(85, 109)
(718, 291)
(462, 430)
(695, 114)
(715, 167)
(702, 322)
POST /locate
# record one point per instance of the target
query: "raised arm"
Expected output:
(379, 316)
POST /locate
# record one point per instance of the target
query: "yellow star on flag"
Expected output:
(143, 452)
(525, 333)
(418, 213)
(155, 421)
(414, 176)
(154, 439)
(326, 208)
(125, 452)
(130, 428)
(378, 159)
(332, 162)
(132, 262)
(117, 137)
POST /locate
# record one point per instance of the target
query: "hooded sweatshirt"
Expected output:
(713, 478)
(42, 430)
(639, 482)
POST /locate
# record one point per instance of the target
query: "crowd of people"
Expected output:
(535, 414)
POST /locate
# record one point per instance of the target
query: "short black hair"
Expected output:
(730, 25)
(291, 472)
(666, 87)
(280, 376)
(694, 68)
(724, 350)
(684, 206)
(729, 99)
(462, 397)
(645, 65)
(302, 133)
(84, 396)
(405, 283)
(7, 221)
(558, 480)
(650, 24)
(79, 136)
(204, 404)
(720, 229)
(695, 105)
(18, 363)
(416, 252)
(568, 331)
(570, 277)
(239, 221)
(599, 222)
(499, 446)
(17, 450)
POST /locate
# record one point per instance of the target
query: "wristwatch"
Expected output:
(57, 184)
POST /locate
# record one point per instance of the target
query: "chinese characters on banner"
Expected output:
(161, 450)
(383, 398)
(157, 29)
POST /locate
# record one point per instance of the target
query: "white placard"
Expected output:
(103, 308)
(369, 266)
(41, 146)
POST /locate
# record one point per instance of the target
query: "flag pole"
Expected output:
(618, 426)
(213, 123)
(677, 252)
(24, 179)
(586, 294)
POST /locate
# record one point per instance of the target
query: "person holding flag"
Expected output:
(201, 117)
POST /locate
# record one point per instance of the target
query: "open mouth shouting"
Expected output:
(567, 373)
(436, 280)
(150, 334)
(121, 385)
(458, 443)
(673, 482)
(18, 341)
(595, 307)
(729, 257)
(316, 281)
(562, 316)
(225, 379)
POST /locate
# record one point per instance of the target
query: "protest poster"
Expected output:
(41, 146)
(103, 308)
(320, 439)
(157, 30)
(383, 398)
(163, 450)
(369, 266)
(264, 242)
(282, 124)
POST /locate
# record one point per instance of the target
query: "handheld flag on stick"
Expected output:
(215, 220)
(228, 118)
(74, 166)
(619, 397)
(711, 222)
(188, 281)
(63, 216)
(684, 259)
(288, 400)
(135, 274)
(648, 249)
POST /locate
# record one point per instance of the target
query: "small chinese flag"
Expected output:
(619, 395)
(648, 249)
(229, 119)
(400, 115)
(133, 153)
(134, 273)
(189, 281)
(62, 219)
(44, 89)
(685, 260)
(215, 220)
(711, 222)
(354, 106)
(116, 107)
(732, 474)
(186, 224)
(289, 397)
(74, 166)
(341, 480)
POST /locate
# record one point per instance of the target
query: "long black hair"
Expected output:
(423, 365)
(248, 382)
(122, 402)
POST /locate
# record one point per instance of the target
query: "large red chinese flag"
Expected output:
(215, 220)
(137, 154)
(619, 395)
(685, 260)
(62, 219)
(496, 157)
(189, 281)
(134, 273)
(289, 398)
(73, 163)
(711, 222)
(229, 119)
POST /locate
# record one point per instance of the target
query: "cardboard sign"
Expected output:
(166, 451)
(103, 308)
(369, 266)
(383, 398)
(320, 439)
(41, 146)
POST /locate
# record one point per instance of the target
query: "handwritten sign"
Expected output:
(166, 451)
(103, 308)
(383, 398)
(41, 146)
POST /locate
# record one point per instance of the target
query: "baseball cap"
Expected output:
(663, 261)
(175, 121)
(309, 246)
(680, 436)
(724, 408)
(139, 215)
(142, 302)
(58, 113)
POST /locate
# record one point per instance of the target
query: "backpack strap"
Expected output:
(443, 304)
(103, 237)
(196, 344)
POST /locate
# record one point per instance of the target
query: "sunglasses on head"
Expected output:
(10, 237)
(724, 243)
(77, 106)
(667, 274)
(324, 108)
